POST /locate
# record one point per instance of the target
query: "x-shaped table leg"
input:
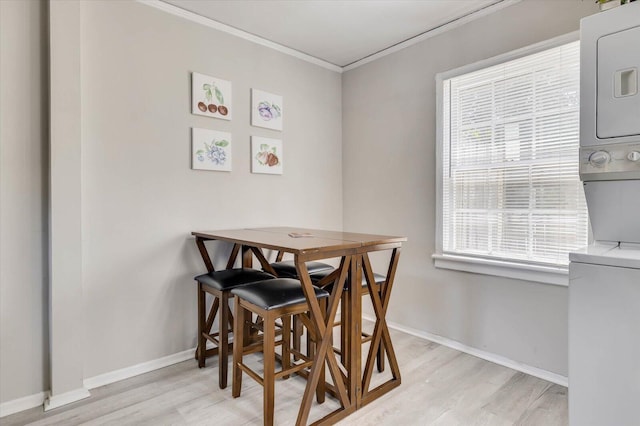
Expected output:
(324, 328)
(381, 331)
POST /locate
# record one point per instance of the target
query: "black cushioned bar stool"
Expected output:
(274, 299)
(287, 269)
(219, 284)
(320, 279)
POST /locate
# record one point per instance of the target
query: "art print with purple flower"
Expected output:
(210, 150)
(266, 155)
(266, 110)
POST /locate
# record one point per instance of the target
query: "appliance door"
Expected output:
(618, 73)
(610, 77)
(604, 345)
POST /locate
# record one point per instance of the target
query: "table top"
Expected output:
(278, 238)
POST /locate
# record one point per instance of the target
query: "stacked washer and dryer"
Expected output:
(604, 279)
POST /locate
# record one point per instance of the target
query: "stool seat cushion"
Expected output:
(227, 279)
(287, 268)
(275, 294)
(378, 278)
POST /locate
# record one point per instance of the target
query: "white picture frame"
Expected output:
(266, 155)
(266, 110)
(211, 96)
(210, 150)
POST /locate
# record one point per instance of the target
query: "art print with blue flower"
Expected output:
(266, 110)
(210, 150)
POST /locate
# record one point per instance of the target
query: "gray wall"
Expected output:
(23, 198)
(389, 156)
(140, 199)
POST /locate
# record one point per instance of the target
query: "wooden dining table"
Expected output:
(351, 382)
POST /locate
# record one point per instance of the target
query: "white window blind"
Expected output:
(511, 189)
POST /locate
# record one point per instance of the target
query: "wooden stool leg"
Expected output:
(321, 388)
(297, 335)
(309, 344)
(269, 367)
(202, 344)
(248, 330)
(345, 320)
(286, 343)
(380, 360)
(223, 348)
(238, 346)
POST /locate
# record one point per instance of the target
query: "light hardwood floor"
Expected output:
(440, 386)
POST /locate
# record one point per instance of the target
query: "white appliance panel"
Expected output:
(614, 210)
(609, 253)
(618, 100)
(610, 162)
(604, 278)
(613, 35)
(604, 345)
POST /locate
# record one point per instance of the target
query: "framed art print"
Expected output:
(210, 96)
(210, 150)
(266, 110)
(266, 155)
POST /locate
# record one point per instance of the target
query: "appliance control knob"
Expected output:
(599, 158)
(634, 156)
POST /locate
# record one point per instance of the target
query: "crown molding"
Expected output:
(174, 10)
(471, 16)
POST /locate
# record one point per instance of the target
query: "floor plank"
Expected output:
(440, 387)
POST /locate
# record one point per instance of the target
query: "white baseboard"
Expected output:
(497, 359)
(55, 401)
(21, 404)
(135, 370)
(31, 401)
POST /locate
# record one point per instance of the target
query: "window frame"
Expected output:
(511, 269)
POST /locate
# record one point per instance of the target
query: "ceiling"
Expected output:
(338, 32)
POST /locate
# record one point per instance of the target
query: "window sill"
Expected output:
(521, 271)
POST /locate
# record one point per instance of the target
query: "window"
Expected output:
(510, 195)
